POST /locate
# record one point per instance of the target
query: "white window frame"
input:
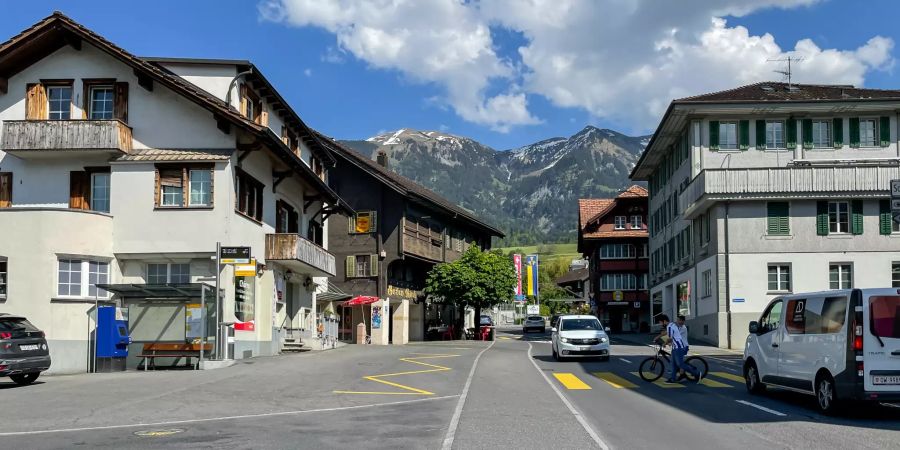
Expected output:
(169, 272)
(4, 278)
(842, 268)
(618, 282)
(874, 142)
(724, 135)
(65, 106)
(707, 283)
(637, 222)
(895, 274)
(783, 281)
(617, 251)
(100, 188)
(363, 263)
(772, 142)
(838, 228)
(620, 222)
(201, 183)
(816, 140)
(84, 276)
(111, 102)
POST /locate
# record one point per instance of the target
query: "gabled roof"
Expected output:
(592, 210)
(635, 191)
(573, 276)
(405, 186)
(588, 208)
(770, 91)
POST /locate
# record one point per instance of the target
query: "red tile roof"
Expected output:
(588, 208)
(770, 91)
(634, 191)
(592, 210)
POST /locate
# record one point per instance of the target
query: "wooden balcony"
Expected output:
(299, 254)
(34, 138)
(793, 182)
(422, 241)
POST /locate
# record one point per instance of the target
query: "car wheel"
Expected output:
(751, 379)
(826, 395)
(24, 379)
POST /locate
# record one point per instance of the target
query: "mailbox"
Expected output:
(112, 338)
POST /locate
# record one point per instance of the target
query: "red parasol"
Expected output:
(360, 300)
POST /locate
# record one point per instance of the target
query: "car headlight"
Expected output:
(602, 340)
(563, 340)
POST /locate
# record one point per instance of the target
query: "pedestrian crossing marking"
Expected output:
(728, 376)
(661, 382)
(571, 382)
(713, 383)
(614, 380)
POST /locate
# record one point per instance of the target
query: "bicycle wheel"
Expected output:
(698, 363)
(652, 369)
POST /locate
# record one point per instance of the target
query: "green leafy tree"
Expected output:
(478, 279)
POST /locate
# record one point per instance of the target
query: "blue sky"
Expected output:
(350, 90)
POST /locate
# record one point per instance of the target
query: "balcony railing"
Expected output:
(785, 182)
(299, 254)
(43, 136)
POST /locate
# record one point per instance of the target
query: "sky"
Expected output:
(506, 73)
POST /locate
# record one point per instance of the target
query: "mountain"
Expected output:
(530, 192)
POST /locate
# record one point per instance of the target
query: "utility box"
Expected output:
(112, 338)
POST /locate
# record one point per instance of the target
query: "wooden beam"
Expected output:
(222, 124)
(73, 41)
(4, 85)
(144, 80)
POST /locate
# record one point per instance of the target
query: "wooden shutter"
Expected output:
(884, 217)
(837, 131)
(854, 132)
(856, 219)
(778, 218)
(807, 133)
(5, 189)
(790, 133)
(822, 218)
(36, 102)
(120, 97)
(884, 130)
(350, 266)
(78, 188)
(744, 134)
(373, 265)
(760, 134)
(280, 211)
(293, 221)
(351, 224)
(373, 225)
(264, 117)
(284, 135)
(243, 92)
(713, 135)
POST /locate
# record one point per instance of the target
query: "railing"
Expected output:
(68, 135)
(293, 247)
(722, 184)
(422, 241)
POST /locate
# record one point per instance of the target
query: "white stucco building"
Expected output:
(767, 189)
(126, 172)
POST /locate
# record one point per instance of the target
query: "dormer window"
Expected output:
(251, 107)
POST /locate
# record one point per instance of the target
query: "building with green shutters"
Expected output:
(767, 189)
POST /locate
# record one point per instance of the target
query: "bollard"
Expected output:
(361, 333)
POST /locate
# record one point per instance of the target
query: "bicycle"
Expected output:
(654, 367)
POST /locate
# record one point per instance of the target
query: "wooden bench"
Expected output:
(154, 350)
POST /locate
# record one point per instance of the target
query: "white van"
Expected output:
(836, 345)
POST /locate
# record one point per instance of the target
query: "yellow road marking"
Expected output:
(410, 390)
(614, 380)
(728, 376)
(661, 382)
(570, 381)
(713, 383)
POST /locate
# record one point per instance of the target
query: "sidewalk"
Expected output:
(647, 338)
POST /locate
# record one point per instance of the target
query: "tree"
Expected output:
(478, 279)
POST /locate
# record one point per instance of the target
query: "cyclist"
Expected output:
(679, 347)
(682, 328)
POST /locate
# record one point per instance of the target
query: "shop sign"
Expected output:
(234, 255)
(376, 317)
(401, 292)
(618, 296)
(245, 302)
(637, 304)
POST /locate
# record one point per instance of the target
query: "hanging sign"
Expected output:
(234, 255)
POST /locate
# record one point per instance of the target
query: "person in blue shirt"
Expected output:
(679, 350)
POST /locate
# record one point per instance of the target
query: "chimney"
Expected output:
(382, 159)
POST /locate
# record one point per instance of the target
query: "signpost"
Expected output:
(895, 200)
(234, 255)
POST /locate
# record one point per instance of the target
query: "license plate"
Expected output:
(886, 380)
(28, 347)
(585, 348)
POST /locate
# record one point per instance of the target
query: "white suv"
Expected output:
(579, 336)
(834, 344)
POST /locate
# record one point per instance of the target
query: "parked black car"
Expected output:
(24, 353)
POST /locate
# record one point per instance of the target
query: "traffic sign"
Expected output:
(897, 217)
(895, 188)
(895, 200)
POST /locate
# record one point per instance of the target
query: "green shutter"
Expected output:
(351, 224)
(822, 218)
(744, 134)
(807, 133)
(854, 132)
(713, 135)
(778, 217)
(856, 217)
(837, 130)
(350, 266)
(884, 217)
(790, 138)
(884, 129)
(760, 134)
(373, 265)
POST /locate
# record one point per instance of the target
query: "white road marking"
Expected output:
(454, 422)
(625, 360)
(726, 361)
(214, 419)
(761, 408)
(578, 416)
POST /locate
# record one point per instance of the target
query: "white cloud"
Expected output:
(618, 60)
(307, 72)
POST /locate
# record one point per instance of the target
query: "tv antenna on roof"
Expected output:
(788, 72)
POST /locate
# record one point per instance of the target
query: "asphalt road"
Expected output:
(427, 395)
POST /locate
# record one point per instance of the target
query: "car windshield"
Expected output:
(16, 325)
(885, 314)
(485, 320)
(535, 318)
(579, 324)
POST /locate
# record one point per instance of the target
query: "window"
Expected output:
(868, 132)
(728, 138)
(617, 251)
(816, 315)
(169, 273)
(100, 191)
(885, 316)
(251, 107)
(363, 222)
(618, 282)
(249, 196)
(286, 218)
(3, 279)
(102, 106)
(778, 218)
(840, 276)
(315, 232)
(895, 275)
(620, 222)
(361, 266)
(181, 186)
(838, 217)
(707, 283)
(771, 318)
(821, 134)
(779, 278)
(637, 222)
(59, 102)
(645, 251)
(79, 278)
(775, 134)
(200, 187)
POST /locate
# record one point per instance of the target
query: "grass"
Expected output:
(548, 252)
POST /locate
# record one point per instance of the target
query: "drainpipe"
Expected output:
(727, 279)
(231, 85)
